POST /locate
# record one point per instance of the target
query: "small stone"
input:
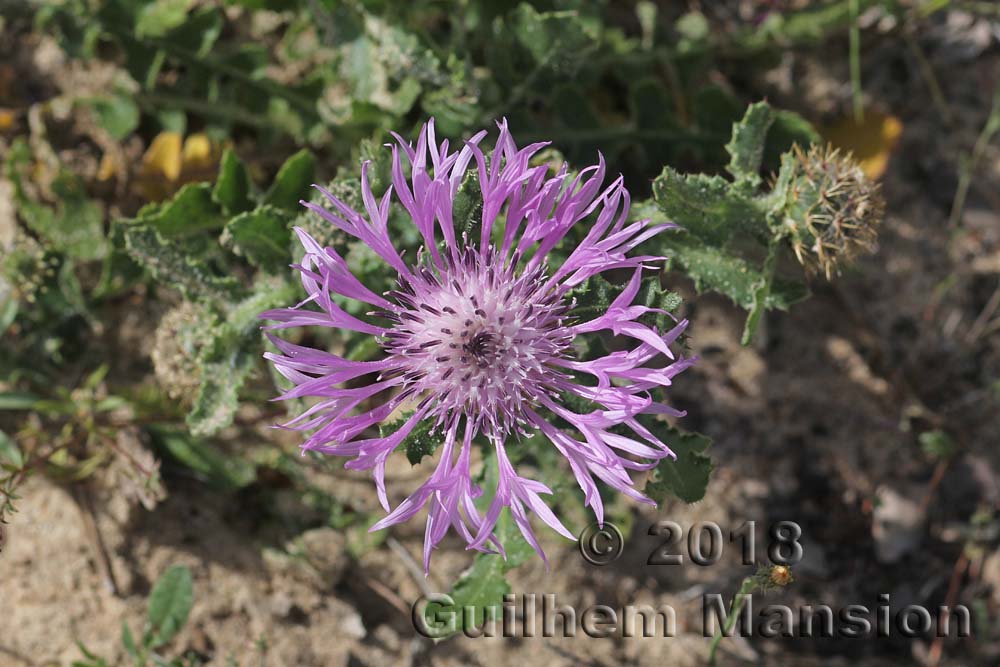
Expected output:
(897, 525)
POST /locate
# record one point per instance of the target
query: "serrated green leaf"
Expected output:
(419, 443)
(228, 357)
(746, 148)
(263, 237)
(292, 181)
(184, 264)
(232, 188)
(714, 269)
(707, 206)
(593, 297)
(268, 293)
(687, 476)
(652, 295)
(478, 594)
(169, 605)
(559, 39)
(760, 294)
(467, 211)
(224, 367)
(191, 211)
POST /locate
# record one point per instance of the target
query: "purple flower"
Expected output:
(479, 335)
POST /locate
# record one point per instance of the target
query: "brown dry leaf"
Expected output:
(871, 142)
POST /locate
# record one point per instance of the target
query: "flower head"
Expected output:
(478, 337)
(833, 209)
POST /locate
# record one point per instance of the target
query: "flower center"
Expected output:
(477, 338)
(481, 346)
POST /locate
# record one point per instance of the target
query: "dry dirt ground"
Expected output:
(817, 424)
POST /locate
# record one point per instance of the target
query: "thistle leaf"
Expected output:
(232, 188)
(262, 236)
(746, 148)
(292, 181)
(687, 476)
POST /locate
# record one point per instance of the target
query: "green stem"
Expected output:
(855, 46)
(734, 609)
(194, 59)
(153, 102)
(970, 164)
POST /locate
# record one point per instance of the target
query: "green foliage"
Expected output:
(227, 473)
(746, 148)
(179, 242)
(64, 216)
(419, 443)
(937, 444)
(685, 477)
(117, 114)
(292, 182)
(230, 351)
(730, 243)
(233, 186)
(263, 236)
(11, 457)
(169, 606)
(168, 609)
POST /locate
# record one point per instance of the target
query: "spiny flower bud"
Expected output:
(768, 576)
(832, 209)
(176, 348)
(781, 575)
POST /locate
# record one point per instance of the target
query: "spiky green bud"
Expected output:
(832, 209)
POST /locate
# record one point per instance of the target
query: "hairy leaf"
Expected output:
(263, 237)
(707, 206)
(232, 188)
(714, 269)
(687, 476)
(169, 605)
(292, 181)
(746, 148)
